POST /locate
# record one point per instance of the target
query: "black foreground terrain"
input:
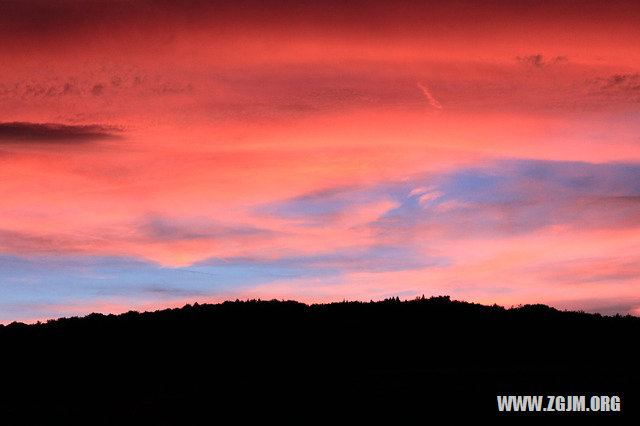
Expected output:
(259, 360)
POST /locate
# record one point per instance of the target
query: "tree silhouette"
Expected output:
(434, 354)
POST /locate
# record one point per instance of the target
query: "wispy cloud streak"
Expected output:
(427, 93)
(53, 133)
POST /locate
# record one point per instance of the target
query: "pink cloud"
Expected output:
(220, 112)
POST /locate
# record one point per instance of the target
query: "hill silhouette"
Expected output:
(286, 359)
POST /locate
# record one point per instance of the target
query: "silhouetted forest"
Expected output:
(279, 359)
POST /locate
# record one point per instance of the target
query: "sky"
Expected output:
(155, 153)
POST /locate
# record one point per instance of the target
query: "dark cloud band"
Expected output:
(21, 132)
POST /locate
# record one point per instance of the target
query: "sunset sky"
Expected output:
(155, 153)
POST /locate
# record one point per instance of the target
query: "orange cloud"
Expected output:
(166, 132)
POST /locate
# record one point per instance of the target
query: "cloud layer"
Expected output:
(319, 152)
(51, 133)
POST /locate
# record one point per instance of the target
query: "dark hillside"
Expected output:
(282, 359)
